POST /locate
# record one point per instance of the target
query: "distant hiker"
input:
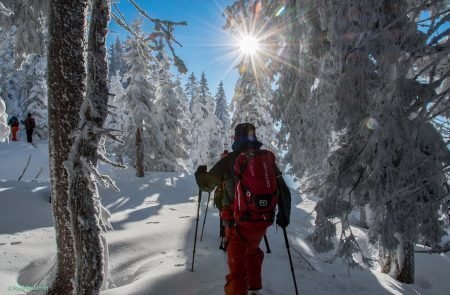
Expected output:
(29, 127)
(253, 187)
(14, 124)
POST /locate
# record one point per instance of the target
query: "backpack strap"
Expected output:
(242, 167)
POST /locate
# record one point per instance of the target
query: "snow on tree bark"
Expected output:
(84, 204)
(66, 86)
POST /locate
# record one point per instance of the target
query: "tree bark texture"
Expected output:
(399, 263)
(66, 87)
(139, 154)
(84, 204)
(363, 217)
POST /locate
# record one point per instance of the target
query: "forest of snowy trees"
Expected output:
(362, 97)
(352, 95)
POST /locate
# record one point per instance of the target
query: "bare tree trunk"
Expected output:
(363, 217)
(139, 154)
(84, 206)
(66, 86)
(399, 263)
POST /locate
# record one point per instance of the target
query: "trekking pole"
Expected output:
(268, 251)
(204, 218)
(196, 226)
(290, 259)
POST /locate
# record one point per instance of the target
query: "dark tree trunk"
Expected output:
(363, 217)
(66, 86)
(139, 154)
(402, 271)
(84, 206)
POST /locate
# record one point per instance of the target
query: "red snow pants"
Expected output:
(244, 257)
(14, 132)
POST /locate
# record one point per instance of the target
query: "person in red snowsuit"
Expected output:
(14, 123)
(245, 258)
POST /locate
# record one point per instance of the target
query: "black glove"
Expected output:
(201, 169)
(283, 221)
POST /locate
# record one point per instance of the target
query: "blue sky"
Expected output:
(203, 39)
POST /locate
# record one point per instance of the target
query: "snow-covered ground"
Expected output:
(151, 245)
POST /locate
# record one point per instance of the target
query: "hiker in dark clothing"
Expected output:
(244, 255)
(29, 127)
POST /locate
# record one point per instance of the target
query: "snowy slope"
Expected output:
(151, 246)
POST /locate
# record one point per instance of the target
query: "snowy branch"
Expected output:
(104, 179)
(437, 249)
(25, 169)
(5, 10)
(104, 159)
(164, 29)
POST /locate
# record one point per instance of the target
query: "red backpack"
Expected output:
(256, 191)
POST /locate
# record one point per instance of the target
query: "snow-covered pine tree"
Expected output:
(29, 17)
(387, 154)
(6, 60)
(140, 99)
(191, 89)
(222, 113)
(12, 80)
(251, 103)
(253, 95)
(207, 143)
(118, 114)
(37, 99)
(186, 121)
(203, 88)
(66, 78)
(375, 136)
(116, 61)
(172, 119)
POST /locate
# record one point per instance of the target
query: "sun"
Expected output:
(249, 45)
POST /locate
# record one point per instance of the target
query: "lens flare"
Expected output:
(280, 11)
(372, 124)
(249, 45)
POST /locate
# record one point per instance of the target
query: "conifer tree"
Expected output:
(37, 99)
(222, 112)
(356, 118)
(140, 99)
(191, 89)
(172, 119)
(207, 141)
(116, 57)
(203, 88)
(118, 114)
(252, 103)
